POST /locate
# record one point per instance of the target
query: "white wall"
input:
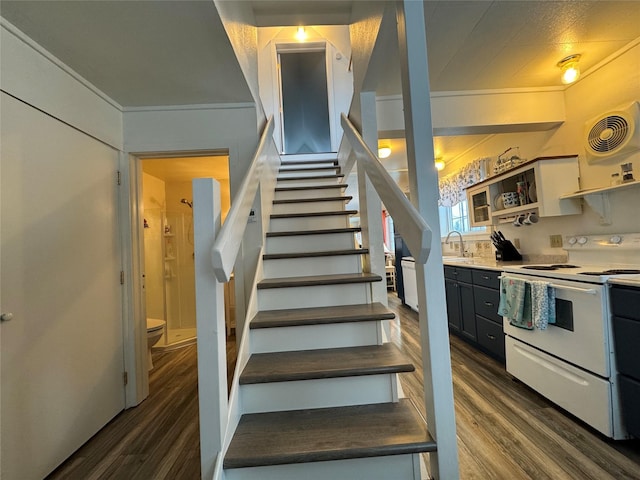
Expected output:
(479, 112)
(340, 78)
(239, 23)
(193, 128)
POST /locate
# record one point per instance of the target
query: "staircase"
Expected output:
(320, 388)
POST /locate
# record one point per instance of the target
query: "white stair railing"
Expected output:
(216, 250)
(438, 390)
(406, 218)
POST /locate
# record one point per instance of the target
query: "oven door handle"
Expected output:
(589, 291)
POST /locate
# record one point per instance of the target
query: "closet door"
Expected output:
(62, 352)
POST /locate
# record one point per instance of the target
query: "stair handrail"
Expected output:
(415, 230)
(225, 249)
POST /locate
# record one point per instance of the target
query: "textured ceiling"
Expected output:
(165, 52)
(139, 53)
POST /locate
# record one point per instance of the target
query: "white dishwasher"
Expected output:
(410, 284)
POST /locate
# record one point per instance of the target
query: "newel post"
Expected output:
(210, 323)
(423, 178)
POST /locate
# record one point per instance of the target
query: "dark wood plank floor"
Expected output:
(505, 430)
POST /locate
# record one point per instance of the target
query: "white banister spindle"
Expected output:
(370, 204)
(210, 323)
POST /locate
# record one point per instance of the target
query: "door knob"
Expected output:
(5, 317)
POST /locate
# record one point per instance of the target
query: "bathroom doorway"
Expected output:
(167, 211)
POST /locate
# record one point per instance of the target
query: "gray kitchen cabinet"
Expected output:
(486, 292)
(460, 304)
(625, 305)
(472, 296)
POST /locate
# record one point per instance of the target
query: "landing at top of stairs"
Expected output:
(323, 434)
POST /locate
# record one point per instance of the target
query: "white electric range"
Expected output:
(572, 362)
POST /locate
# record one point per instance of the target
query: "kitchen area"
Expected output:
(553, 208)
(581, 351)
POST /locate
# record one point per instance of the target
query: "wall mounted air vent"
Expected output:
(614, 133)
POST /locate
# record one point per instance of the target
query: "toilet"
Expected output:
(155, 329)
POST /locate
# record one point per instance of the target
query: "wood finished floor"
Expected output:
(505, 430)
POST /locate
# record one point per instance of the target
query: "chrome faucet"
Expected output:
(462, 253)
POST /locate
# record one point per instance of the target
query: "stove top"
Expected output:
(585, 273)
(592, 259)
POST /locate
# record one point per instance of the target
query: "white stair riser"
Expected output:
(308, 164)
(310, 243)
(306, 172)
(308, 207)
(321, 393)
(313, 296)
(292, 267)
(309, 193)
(312, 337)
(327, 180)
(391, 467)
(296, 224)
(308, 157)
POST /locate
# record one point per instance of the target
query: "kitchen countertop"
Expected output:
(629, 282)
(479, 262)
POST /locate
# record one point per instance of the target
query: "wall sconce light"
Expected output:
(384, 152)
(570, 69)
(301, 34)
(439, 164)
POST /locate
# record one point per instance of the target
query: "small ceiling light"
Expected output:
(384, 152)
(570, 69)
(439, 164)
(301, 34)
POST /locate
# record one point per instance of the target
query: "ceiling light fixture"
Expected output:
(384, 152)
(570, 69)
(301, 34)
(439, 164)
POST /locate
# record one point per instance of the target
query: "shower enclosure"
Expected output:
(170, 273)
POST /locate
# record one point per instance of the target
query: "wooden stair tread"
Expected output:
(317, 280)
(314, 214)
(310, 177)
(326, 253)
(312, 187)
(325, 363)
(344, 198)
(321, 315)
(324, 434)
(326, 231)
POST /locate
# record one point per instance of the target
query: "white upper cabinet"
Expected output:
(535, 186)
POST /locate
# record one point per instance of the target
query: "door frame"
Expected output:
(136, 361)
(276, 81)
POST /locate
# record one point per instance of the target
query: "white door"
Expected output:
(62, 353)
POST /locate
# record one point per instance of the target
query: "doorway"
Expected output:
(304, 101)
(167, 241)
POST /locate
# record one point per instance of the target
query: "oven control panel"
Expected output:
(618, 241)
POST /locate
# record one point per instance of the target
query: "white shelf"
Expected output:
(510, 212)
(598, 199)
(593, 191)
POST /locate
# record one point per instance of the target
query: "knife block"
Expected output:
(508, 252)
